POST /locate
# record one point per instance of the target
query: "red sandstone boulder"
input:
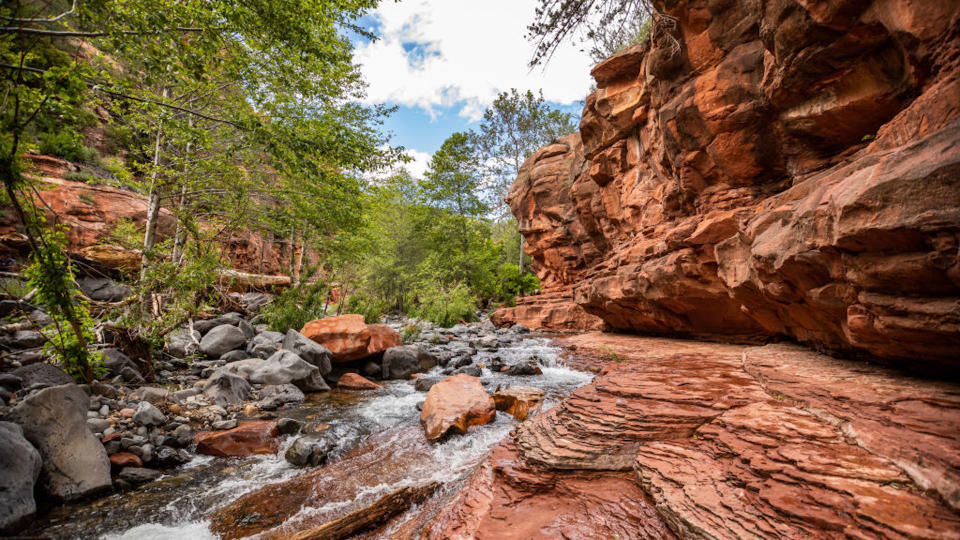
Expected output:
(125, 459)
(352, 381)
(454, 404)
(257, 437)
(518, 401)
(349, 338)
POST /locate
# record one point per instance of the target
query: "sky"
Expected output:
(443, 62)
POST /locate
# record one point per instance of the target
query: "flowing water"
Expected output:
(379, 439)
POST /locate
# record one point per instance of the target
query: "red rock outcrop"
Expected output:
(708, 440)
(785, 169)
(91, 213)
(455, 404)
(349, 338)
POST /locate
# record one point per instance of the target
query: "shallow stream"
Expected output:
(180, 504)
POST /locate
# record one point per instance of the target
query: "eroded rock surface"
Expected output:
(790, 170)
(724, 441)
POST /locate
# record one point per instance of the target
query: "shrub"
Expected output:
(82, 176)
(67, 144)
(371, 307)
(511, 283)
(410, 333)
(296, 306)
(446, 306)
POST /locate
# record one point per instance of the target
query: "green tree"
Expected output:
(514, 127)
(241, 113)
(453, 184)
(603, 25)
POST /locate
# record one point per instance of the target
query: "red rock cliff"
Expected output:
(90, 213)
(791, 170)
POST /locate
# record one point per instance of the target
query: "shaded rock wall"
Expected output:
(792, 171)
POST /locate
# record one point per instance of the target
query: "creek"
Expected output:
(380, 448)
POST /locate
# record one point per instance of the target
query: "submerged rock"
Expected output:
(306, 451)
(454, 404)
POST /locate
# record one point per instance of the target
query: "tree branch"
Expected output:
(76, 33)
(73, 9)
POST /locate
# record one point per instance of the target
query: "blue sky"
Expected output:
(442, 62)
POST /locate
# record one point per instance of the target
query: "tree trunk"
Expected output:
(153, 204)
(521, 255)
(181, 235)
(303, 247)
(293, 256)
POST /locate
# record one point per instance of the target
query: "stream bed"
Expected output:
(380, 448)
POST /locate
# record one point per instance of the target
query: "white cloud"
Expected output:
(421, 160)
(462, 54)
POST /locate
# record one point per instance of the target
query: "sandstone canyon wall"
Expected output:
(792, 171)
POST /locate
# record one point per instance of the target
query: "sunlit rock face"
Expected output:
(778, 169)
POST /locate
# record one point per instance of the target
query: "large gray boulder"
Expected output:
(224, 387)
(308, 349)
(19, 470)
(402, 361)
(274, 396)
(180, 344)
(42, 373)
(54, 420)
(25, 339)
(121, 364)
(286, 367)
(103, 289)
(222, 339)
(264, 344)
(243, 368)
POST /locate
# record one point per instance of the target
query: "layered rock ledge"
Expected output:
(707, 440)
(791, 170)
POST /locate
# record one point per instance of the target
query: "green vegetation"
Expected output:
(247, 116)
(297, 306)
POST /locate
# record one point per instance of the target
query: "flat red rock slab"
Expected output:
(505, 499)
(352, 482)
(248, 438)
